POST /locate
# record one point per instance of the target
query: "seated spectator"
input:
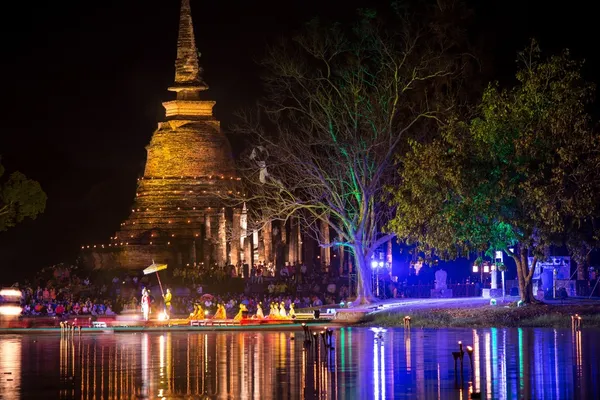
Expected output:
(60, 310)
(317, 302)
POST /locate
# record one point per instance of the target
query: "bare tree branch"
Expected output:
(339, 105)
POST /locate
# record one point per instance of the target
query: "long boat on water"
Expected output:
(116, 324)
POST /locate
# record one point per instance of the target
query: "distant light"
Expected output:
(475, 268)
(10, 310)
(373, 264)
(381, 263)
(486, 268)
(10, 293)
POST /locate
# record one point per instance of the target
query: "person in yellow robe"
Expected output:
(282, 312)
(197, 314)
(221, 313)
(240, 314)
(168, 297)
(292, 313)
(273, 312)
(259, 311)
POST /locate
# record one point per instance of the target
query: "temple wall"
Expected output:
(174, 205)
(135, 257)
(197, 148)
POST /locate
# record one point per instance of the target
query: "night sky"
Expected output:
(83, 82)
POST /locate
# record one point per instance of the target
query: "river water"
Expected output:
(414, 364)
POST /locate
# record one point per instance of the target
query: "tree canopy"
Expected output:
(20, 198)
(518, 174)
(340, 102)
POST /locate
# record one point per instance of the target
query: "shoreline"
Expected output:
(474, 312)
(542, 315)
(161, 326)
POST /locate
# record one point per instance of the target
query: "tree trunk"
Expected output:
(364, 290)
(580, 271)
(524, 275)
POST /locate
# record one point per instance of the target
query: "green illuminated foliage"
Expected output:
(20, 198)
(521, 172)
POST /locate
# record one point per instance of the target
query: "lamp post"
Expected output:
(485, 273)
(476, 270)
(554, 276)
(503, 287)
(375, 266)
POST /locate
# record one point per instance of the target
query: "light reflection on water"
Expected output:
(508, 364)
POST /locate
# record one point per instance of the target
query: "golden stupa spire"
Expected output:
(188, 73)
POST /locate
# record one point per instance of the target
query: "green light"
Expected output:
(343, 346)
(521, 379)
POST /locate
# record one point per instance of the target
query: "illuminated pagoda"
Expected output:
(179, 215)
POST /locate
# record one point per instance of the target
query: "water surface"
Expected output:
(416, 364)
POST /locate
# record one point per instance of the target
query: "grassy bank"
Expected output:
(536, 315)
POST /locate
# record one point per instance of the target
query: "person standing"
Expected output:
(145, 302)
(168, 297)
(246, 269)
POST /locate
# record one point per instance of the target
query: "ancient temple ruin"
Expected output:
(180, 214)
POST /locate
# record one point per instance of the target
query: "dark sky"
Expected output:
(83, 81)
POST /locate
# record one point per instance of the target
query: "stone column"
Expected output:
(207, 242)
(283, 229)
(261, 245)
(268, 242)
(248, 251)
(325, 251)
(292, 242)
(236, 237)
(207, 227)
(222, 240)
(300, 254)
(193, 253)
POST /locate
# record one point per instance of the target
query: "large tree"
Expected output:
(519, 174)
(20, 198)
(339, 104)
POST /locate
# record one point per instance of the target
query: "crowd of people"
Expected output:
(69, 292)
(62, 302)
(62, 291)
